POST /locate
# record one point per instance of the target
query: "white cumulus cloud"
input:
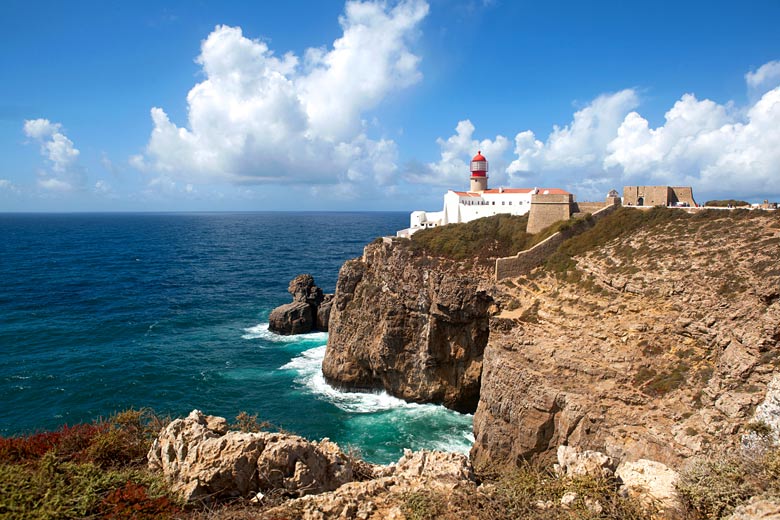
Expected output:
(719, 148)
(60, 152)
(706, 144)
(452, 169)
(766, 77)
(581, 143)
(261, 117)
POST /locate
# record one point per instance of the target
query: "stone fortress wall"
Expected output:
(657, 195)
(547, 209)
(524, 261)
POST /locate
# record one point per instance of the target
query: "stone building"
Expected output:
(658, 196)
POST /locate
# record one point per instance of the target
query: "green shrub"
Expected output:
(87, 470)
(534, 492)
(489, 237)
(714, 487)
(423, 505)
(726, 203)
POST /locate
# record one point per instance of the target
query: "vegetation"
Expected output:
(726, 203)
(490, 237)
(535, 492)
(712, 488)
(622, 222)
(87, 470)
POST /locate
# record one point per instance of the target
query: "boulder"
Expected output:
(204, 461)
(576, 462)
(382, 497)
(292, 318)
(651, 481)
(303, 289)
(309, 310)
(323, 313)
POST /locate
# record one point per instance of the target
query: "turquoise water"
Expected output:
(99, 313)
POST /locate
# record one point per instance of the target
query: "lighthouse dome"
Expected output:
(479, 157)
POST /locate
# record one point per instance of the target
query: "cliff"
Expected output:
(410, 325)
(650, 336)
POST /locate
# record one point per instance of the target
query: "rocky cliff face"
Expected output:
(414, 327)
(658, 345)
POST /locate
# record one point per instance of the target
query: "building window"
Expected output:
(494, 203)
(502, 202)
(510, 202)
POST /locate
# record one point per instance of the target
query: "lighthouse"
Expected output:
(479, 169)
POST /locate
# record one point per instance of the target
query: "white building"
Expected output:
(465, 206)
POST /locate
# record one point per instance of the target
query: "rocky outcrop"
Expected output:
(383, 497)
(656, 345)
(757, 509)
(310, 309)
(204, 461)
(650, 481)
(576, 462)
(409, 325)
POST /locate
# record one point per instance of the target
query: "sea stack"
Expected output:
(309, 310)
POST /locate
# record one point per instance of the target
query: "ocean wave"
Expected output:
(261, 331)
(381, 422)
(309, 367)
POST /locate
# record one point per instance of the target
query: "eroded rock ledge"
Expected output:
(205, 461)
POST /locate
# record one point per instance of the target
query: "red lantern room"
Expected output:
(479, 165)
(479, 169)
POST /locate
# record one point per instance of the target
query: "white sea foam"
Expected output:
(261, 331)
(309, 367)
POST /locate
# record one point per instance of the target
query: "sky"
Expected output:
(368, 105)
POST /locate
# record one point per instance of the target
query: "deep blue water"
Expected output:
(101, 312)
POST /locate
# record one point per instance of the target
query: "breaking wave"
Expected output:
(379, 419)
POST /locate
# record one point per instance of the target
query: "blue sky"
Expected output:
(169, 106)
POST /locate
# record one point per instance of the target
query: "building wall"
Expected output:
(588, 207)
(650, 195)
(657, 195)
(683, 194)
(547, 209)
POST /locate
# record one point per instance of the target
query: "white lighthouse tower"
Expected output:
(479, 169)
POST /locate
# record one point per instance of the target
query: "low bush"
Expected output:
(86, 470)
(711, 488)
(489, 237)
(535, 492)
(726, 203)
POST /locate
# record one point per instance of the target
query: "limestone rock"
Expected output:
(650, 481)
(760, 509)
(203, 460)
(309, 310)
(440, 466)
(654, 352)
(302, 288)
(405, 324)
(767, 413)
(291, 318)
(381, 498)
(576, 462)
(323, 313)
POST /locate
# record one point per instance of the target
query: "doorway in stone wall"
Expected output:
(640, 201)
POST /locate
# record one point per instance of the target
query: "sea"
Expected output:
(103, 312)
